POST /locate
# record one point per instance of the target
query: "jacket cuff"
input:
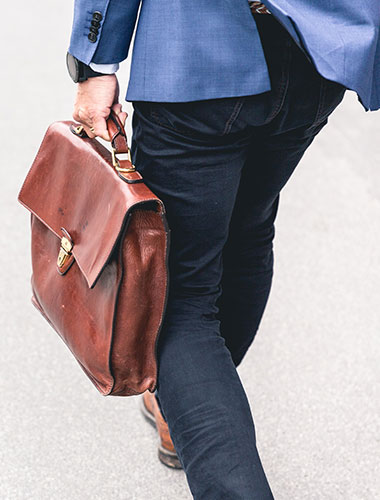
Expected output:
(102, 30)
(83, 42)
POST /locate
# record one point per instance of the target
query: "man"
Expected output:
(227, 97)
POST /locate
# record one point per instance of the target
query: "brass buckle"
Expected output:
(79, 129)
(64, 251)
(116, 163)
(258, 8)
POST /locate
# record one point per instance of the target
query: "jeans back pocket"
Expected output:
(208, 117)
(331, 95)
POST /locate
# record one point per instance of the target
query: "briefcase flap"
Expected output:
(73, 185)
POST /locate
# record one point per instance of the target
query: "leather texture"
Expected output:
(108, 300)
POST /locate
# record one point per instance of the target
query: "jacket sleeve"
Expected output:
(102, 30)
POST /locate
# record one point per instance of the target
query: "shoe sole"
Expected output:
(165, 456)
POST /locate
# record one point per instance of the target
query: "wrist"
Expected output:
(98, 82)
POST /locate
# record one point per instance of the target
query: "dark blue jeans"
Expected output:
(219, 166)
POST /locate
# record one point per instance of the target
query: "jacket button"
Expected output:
(94, 30)
(96, 24)
(97, 16)
(92, 37)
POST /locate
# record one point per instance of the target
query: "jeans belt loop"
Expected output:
(258, 8)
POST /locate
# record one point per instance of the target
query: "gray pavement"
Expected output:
(313, 373)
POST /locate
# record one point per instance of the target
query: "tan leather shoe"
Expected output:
(152, 413)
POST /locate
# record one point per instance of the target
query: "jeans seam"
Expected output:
(322, 99)
(155, 116)
(234, 115)
(283, 87)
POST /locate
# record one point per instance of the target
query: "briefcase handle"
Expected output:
(119, 143)
(117, 133)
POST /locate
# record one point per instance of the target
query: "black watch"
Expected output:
(79, 71)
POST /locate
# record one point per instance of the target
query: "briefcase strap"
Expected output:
(117, 133)
(119, 143)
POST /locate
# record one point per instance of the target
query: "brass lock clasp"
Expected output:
(64, 252)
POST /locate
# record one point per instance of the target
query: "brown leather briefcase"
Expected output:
(99, 252)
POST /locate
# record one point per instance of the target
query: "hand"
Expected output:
(94, 101)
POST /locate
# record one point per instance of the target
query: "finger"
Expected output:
(78, 118)
(82, 117)
(100, 127)
(90, 134)
(116, 107)
(122, 115)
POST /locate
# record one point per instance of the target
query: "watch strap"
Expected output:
(86, 72)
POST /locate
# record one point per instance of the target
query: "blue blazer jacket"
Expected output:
(187, 50)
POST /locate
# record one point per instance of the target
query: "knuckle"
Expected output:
(79, 113)
(92, 115)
